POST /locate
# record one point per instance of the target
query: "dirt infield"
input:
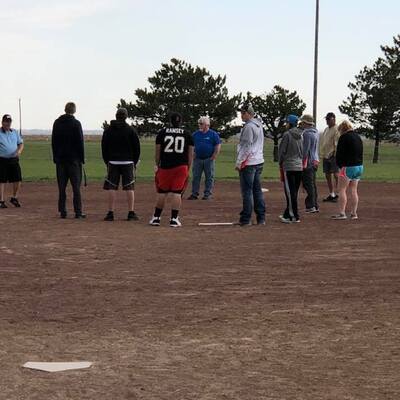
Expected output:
(304, 311)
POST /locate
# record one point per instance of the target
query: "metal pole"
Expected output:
(20, 117)
(315, 98)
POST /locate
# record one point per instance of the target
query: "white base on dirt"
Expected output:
(215, 223)
(57, 366)
(264, 190)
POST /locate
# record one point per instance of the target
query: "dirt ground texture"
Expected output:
(301, 311)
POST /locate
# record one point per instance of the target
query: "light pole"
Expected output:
(315, 97)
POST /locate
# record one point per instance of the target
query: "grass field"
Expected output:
(37, 162)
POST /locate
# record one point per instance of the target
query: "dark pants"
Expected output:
(208, 166)
(250, 185)
(310, 186)
(292, 182)
(69, 171)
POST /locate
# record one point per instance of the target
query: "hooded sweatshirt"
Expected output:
(310, 147)
(120, 142)
(291, 150)
(250, 150)
(67, 140)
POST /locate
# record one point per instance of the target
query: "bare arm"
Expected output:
(217, 150)
(20, 148)
(190, 156)
(157, 154)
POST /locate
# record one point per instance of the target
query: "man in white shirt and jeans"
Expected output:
(249, 163)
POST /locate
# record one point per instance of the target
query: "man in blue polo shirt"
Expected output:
(11, 146)
(207, 145)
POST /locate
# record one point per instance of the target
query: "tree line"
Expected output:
(373, 104)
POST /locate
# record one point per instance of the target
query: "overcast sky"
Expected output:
(94, 52)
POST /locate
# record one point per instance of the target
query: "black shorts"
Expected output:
(117, 171)
(10, 171)
(329, 165)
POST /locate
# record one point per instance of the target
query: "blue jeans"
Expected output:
(250, 185)
(208, 166)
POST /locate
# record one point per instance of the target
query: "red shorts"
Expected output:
(172, 180)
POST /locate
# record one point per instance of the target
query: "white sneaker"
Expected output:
(175, 223)
(155, 221)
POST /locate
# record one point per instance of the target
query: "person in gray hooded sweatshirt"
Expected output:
(310, 162)
(249, 163)
(291, 165)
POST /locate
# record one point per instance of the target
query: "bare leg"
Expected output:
(2, 186)
(336, 182)
(111, 199)
(161, 197)
(16, 187)
(343, 183)
(130, 196)
(353, 186)
(329, 181)
(176, 203)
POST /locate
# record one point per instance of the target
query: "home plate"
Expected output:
(215, 223)
(264, 190)
(57, 366)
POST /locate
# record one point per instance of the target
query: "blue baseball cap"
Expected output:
(292, 119)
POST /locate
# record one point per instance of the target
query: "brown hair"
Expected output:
(70, 108)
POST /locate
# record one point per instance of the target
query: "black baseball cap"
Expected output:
(6, 118)
(330, 115)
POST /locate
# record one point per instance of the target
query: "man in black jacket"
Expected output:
(120, 148)
(68, 155)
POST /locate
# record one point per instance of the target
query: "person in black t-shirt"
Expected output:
(349, 158)
(174, 155)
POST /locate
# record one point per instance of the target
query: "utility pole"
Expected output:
(315, 97)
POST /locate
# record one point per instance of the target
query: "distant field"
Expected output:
(37, 162)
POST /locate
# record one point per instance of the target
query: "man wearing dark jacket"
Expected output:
(120, 148)
(68, 155)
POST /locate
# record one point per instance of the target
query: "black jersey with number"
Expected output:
(174, 144)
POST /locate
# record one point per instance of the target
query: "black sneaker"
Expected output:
(192, 197)
(132, 216)
(109, 216)
(261, 222)
(63, 215)
(14, 201)
(3, 204)
(80, 216)
(206, 197)
(331, 199)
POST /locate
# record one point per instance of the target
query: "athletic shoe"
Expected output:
(331, 199)
(262, 222)
(206, 197)
(3, 204)
(80, 216)
(63, 215)
(155, 221)
(192, 197)
(353, 216)
(132, 216)
(109, 216)
(285, 220)
(14, 201)
(312, 210)
(175, 223)
(339, 216)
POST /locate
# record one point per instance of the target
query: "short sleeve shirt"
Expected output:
(9, 142)
(205, 142)
(174, 144)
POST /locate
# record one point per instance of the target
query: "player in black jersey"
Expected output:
(174, 155)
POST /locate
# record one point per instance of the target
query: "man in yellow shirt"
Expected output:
(327, 150)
